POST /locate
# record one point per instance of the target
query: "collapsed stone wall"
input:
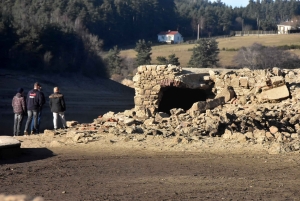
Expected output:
(247, 106)
(245, 85)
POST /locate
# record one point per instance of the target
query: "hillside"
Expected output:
(226, 57)
(86, 98)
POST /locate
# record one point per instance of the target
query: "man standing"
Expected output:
(34, 103)
(39, 114)
(58, 107)
(18, 104)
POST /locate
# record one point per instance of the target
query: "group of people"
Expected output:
(32, 105)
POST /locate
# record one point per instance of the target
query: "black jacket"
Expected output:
(35, 100)
(57, 102)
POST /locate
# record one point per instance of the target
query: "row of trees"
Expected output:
(216, 18)
(69, 36)
(205, 54)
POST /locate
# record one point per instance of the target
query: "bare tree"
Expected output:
(258, 56)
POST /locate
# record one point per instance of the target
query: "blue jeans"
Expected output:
(17, 124)
(31, 114)
(38, 123)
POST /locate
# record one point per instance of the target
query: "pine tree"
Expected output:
(162, 60)
(205, 53)
(113, 60)
(143, 50)
(173, 60)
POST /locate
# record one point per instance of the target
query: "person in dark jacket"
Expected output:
(34, 103)
(19, 107)
(39, 114)
(58, 107)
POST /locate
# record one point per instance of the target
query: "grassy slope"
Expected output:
(181, 50)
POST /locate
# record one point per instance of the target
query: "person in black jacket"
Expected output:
(39, 115)
(58, 107)
(34, 101)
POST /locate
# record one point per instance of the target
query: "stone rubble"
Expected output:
(253, 107)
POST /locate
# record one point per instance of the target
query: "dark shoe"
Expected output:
(65, 127)
(32, 133)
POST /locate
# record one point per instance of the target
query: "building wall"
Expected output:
(177, 38)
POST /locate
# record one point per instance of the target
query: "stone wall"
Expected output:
(148, 83)
(252, 107)
(241, 85)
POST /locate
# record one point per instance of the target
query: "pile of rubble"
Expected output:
(259, 107)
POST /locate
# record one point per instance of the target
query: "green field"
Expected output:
(226, 57)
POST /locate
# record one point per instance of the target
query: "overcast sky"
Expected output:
(236, 3)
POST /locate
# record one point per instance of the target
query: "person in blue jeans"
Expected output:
(34, 102)
(38, 115)
(19, 107)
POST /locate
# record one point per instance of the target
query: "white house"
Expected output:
(170, 37)
(285, 27)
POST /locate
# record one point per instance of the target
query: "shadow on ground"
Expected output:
(24, 155)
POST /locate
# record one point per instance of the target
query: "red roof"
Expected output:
(168, 33)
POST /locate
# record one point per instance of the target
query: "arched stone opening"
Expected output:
(175, 97)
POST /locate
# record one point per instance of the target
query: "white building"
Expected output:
(285, 27)
(170, 37)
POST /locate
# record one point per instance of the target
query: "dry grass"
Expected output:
(226, 57)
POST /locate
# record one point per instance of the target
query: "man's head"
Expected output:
(37, 85)
(56, 89)
(20, 90)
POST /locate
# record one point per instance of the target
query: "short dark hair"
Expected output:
(36, 85)
(20, 90)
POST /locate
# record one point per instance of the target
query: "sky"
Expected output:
(236, 3)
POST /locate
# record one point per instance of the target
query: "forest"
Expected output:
(70, 36)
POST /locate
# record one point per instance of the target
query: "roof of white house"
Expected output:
(168, 33)
(289, 23)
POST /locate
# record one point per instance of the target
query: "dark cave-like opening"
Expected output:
(174, 97)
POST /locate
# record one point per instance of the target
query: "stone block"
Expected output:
(206, 78)
(71, 123)
(156, 88)
(277, 71)
(136, 78)
(129, 113)
(243, 81)
(273, 129)
(227, 134)
(149, 122)
(275, 93)
(219, 83)
(228, 93)
(138, 100)
(71, 134)
(142, 68)
(235, 82)
(198, 106)
(50, 133)
(110, 124)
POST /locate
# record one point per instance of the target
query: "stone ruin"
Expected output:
(247, 106)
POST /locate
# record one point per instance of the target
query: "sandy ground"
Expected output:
(113, 168)
(153, 169)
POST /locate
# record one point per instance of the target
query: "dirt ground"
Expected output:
(154, 169)
(113, 168)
